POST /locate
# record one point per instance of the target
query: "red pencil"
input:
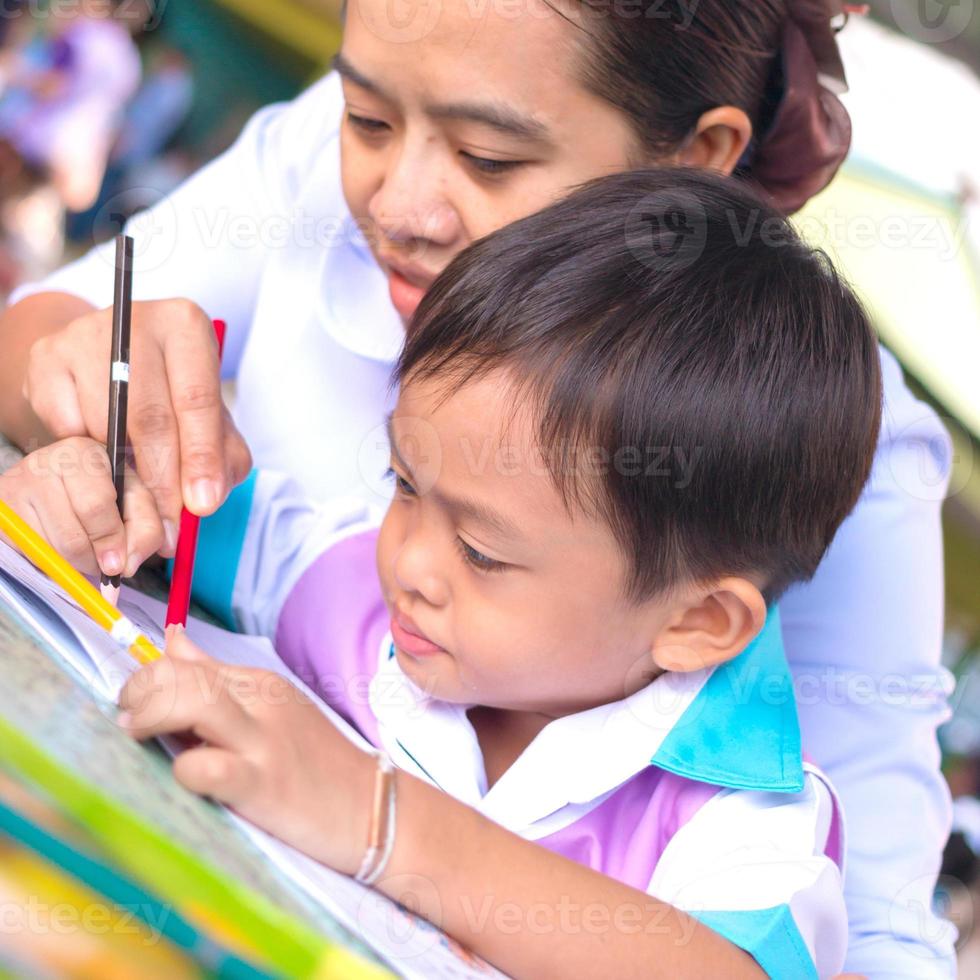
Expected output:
(180, 582)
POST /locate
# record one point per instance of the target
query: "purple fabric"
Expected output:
(332, 626)
(834, 848)
(648, 809)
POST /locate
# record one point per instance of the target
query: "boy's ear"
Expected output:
(715, 626)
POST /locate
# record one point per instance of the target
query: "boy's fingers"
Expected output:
(181, 647)
(218, 773)
(143, 526)
(171, 695)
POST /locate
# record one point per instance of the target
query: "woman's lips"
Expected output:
(407, 637)
(405, 296)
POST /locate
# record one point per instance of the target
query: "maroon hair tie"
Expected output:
(810, 132)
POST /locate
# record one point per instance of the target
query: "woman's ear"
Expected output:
(719, 140)
(715, 626)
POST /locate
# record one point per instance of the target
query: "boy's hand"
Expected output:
(268, 752)
(65, 492)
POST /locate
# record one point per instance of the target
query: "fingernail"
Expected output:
(170, 536)
(133, 563)
(124, 719)
(204, 495)
(112, 563)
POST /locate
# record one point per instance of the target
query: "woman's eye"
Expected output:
(488, 166)
(479, 560)
(366, 124)
(402, 486)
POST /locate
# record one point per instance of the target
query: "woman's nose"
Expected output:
(411, 204)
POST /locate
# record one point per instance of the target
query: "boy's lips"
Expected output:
(410, 638)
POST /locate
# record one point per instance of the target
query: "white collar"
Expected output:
(735, 726)
(355, 307)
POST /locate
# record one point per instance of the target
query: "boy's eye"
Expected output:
(402, 486)
(488, 166)
(479, 560)
(366, 124)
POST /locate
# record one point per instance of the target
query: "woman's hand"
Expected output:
(65, 492)
(267, 751)
(187, 449)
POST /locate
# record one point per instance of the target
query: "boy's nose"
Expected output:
(416, 572)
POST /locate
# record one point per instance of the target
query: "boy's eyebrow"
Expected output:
(499, 116)
(460, 506)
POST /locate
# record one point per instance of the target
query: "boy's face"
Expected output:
(500, 596)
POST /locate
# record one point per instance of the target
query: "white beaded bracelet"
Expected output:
(381, 835)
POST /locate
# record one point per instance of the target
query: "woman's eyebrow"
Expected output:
(498, 116)
(501, 117)
(346, 70)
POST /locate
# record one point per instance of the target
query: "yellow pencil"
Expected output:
(122, 630)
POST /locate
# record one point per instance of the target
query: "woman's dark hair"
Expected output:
(703, 380)
(664, 63)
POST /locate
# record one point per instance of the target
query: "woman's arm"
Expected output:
(207, 243)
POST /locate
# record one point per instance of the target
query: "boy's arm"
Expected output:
(533, 913)
(274, 758)
(750, 866)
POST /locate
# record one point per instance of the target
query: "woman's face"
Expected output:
(462, 116)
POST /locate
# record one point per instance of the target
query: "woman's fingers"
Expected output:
(52, 391)
(51, 513)
(193, 372)
(145, 533)
(153, 428)
(82, 468)
(238, 456)
(187, 450)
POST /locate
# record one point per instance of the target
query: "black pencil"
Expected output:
(122, 312)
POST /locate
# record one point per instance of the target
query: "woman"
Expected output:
(317, 234)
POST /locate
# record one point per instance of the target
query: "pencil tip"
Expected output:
(110, 593)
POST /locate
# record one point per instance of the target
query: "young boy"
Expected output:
(625, 426)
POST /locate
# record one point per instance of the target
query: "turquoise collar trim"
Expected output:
(742, 729)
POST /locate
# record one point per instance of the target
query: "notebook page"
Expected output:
(87, 648)
(413, 946)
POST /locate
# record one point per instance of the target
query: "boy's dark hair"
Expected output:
(671, 326)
